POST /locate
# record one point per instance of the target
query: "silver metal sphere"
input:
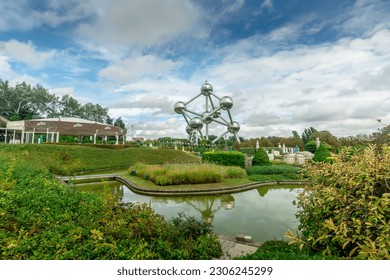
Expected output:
(196, 123)
(207, 118)
(179, 107)
(226, 103)
(206, 89)
(189, 129)
(233, 127)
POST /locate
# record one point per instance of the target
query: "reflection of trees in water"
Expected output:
(264, 190)
(205, 205)
(108, 189)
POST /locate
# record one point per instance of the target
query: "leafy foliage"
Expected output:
(41, 219)
(261, 158)
(346, 211)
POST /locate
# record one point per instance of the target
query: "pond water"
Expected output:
(264, 213)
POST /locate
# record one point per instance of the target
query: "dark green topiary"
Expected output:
(261, 158)
(322, 154)
(310, 146)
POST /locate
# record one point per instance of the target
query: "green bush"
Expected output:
(321, 154)
(261, 158)
(224, 158)
(346, 211)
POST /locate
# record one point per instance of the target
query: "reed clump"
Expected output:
(181, 174)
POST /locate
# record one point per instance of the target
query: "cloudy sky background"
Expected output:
(288, 65)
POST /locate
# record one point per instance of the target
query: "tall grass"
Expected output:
(181, 174)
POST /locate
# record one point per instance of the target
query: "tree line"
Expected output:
(24, 101)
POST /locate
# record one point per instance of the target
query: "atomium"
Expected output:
(214, 110)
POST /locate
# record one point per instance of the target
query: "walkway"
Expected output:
(232, 248)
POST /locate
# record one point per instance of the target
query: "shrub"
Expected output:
(261, 158)
(346, 211)
(321, 154)
(224, 158)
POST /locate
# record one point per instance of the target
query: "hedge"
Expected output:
(224, 158)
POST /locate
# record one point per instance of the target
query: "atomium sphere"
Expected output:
(233, 127)
(179, 107)
(196, 123)
(189, 129)
(206, 89)
(226, 103)
(207, 118)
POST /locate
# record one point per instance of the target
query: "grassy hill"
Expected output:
(71, 159)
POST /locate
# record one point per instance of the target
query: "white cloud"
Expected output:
(26, 53)
(321, 72)
(62, 91)
(142, 23)
(133, 69)
(267, 4)
(8, 74)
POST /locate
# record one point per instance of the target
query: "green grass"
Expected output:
(279, 172)
(71, 159)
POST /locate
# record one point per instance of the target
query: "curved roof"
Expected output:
(66, 126)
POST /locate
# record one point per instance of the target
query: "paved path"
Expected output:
(232, 249)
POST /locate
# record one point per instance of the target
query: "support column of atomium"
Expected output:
(211, 114)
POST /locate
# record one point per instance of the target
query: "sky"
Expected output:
(287, 64)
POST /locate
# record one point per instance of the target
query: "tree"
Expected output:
(68, 107)
(93, 112)
(119, 122)
(24, 101)
(307, 134)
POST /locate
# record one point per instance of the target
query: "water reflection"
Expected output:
(205, 205)
(264, 213)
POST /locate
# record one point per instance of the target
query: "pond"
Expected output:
(264, 213)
